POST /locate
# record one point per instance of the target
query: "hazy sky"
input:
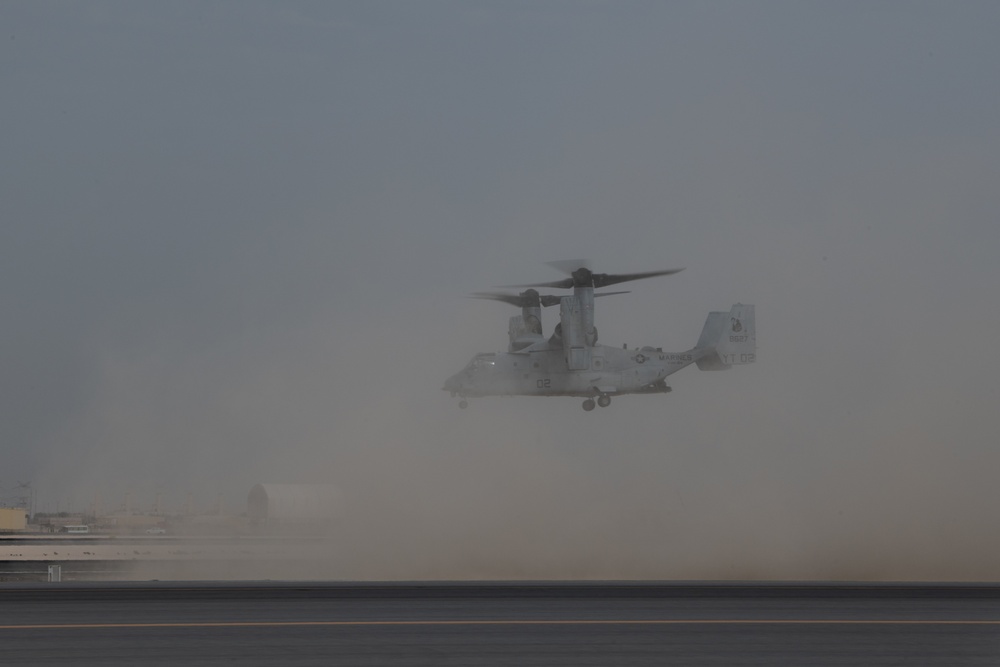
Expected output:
(235, 240)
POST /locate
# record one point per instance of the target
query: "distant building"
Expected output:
(129, 523)
(292, 503)
(54, 523)
(82, 529)
(13, 520)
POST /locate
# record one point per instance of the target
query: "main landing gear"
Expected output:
(603, 400)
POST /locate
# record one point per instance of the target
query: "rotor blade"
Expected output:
(607, 279)
(583, 277)
(550, 300)
(558, 284)
(529, 298)
(553, 300)
(567, 266)
(519, 300)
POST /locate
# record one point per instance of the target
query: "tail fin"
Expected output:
(728, 339)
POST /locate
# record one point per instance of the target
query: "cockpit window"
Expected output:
(484, 360)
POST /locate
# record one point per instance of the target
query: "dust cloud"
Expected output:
(711, 482)
(238, 240)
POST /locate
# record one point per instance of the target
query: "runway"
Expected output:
(499, 624)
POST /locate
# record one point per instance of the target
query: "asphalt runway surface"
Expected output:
(498, 624)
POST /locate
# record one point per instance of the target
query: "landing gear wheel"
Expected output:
(588, 404)
(604, 400)
(463, 404)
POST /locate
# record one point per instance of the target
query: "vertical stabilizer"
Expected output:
(728, 339)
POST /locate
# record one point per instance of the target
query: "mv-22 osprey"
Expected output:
(571, 363)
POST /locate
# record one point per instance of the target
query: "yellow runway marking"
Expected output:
(288, 624)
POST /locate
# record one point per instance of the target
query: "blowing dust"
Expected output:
(703, 484)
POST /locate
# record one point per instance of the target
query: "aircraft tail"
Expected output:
(728, 339)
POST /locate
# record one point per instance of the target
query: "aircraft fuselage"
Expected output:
(543, 372)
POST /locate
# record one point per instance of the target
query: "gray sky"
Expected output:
(236, 239)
